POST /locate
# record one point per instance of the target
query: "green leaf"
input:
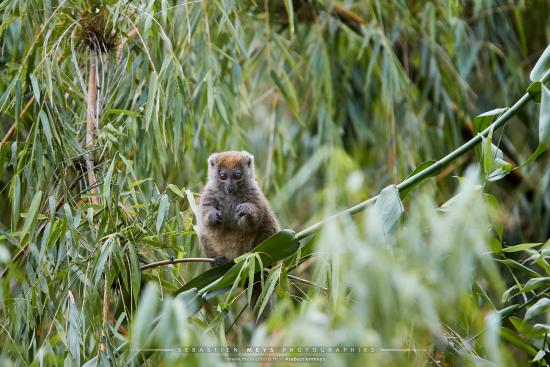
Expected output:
(521, 247)
(73, 330)
(35, 88)
(544, 118)
(100, 265)
(192, 300)
(192, 203)
(148, 304)
(389, 207)
(151, 99)
(207, 277)
(164, 206)
(279, 246)
(488, 153)
(135, 273)
(30, 220)
(514, 264)
(512, 337)
(525, 328)
(542, 305)
(541, 353)
(176, 190)
(267, 290)
(542, 66)
(494, 215)
(494, 165)
(5, 96)
(107, 183)
(16, 201)
(535, 283)
(251, 271)
(481, 122)
(46, 127)
(534, 89)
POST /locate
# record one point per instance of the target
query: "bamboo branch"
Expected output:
(176, 261)
(91, 124)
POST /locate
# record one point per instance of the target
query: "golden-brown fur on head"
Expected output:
(230, 163)
(231, 159)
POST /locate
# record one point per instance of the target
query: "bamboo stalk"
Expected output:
(177, 261)
(91, 123)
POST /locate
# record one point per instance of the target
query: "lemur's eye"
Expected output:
(237, 175)
(223, 176)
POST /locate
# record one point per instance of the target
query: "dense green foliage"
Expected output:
(337, 100)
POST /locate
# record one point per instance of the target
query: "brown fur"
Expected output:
(229, 159)
(236, 216)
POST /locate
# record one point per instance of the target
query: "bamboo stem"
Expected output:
(91, 123)
(177, 261)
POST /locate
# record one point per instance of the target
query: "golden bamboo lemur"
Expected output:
(236, 216)
(235, 213)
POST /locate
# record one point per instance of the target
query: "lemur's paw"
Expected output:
(220, 260)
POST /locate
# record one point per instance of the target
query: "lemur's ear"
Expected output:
(212, 159)
(248, 158)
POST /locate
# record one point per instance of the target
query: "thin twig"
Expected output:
(301, 280)
(305, 281)
(12, 128)
(177, 261)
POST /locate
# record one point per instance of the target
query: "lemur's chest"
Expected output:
(228, 208)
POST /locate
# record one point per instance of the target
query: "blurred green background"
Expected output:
(336, 100)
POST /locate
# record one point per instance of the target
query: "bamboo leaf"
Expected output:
(267, 290)
(481, 122)
(164, 206)
(542, 305)
(542, 66)
(46, 127)
(521, 247)
(535, 283)
(16, 201)
(389, 207)
(30, 220)
(191, 299)
(151, 99)
(176, 190)
(107, 183)
(73, 330)
(544, 118)
(535, 89)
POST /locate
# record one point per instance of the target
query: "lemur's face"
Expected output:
(231, 170)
